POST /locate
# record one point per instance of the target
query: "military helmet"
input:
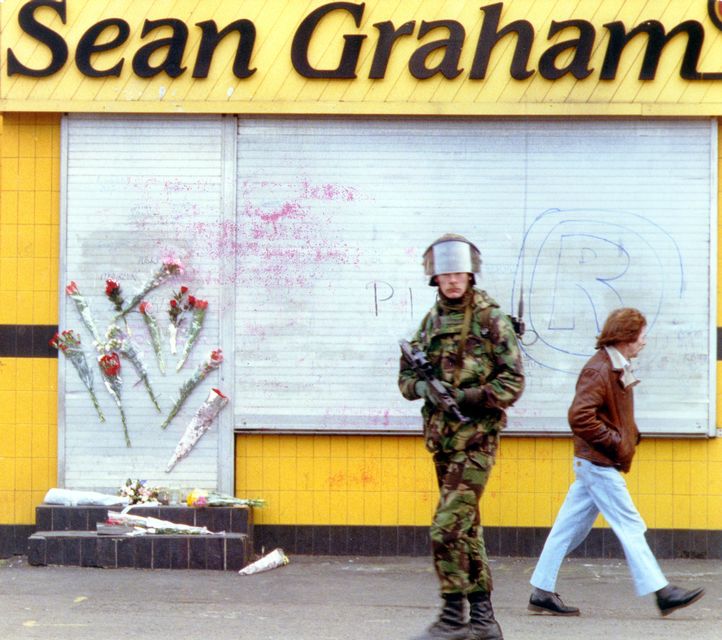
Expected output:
(451, 253)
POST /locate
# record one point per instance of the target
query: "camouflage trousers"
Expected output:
(457, 538)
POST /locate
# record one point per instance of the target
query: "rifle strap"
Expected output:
(462, 345)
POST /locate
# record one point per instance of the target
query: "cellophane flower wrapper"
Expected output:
(110, 368)
(211, 363)
(127, 348)
(199, 314)
(272, 560)
(148, 524)
(84, 310)
(177, 306)
(155, 335)
(201, 422)
(203, 498)
(138, 492)
(169, 268)
(69, 344)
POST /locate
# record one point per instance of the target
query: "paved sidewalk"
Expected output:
(325, 598)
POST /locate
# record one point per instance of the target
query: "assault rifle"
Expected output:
(420, 364)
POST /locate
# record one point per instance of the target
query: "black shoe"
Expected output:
(672, 598)
(547, 602)
(482, 623)
(451, 624)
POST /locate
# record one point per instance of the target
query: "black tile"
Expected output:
(43, 518)
(540, 537)
(268, 537)
(54, 550)
(61, 518)
(8, 341)
(338, 541)
(681, 543)
(355, 540)
(22, 534)
(41, 337)
(663, 543)
(526, 542)
(422, 542)
(612, 548)
(405, 544)
(7, 540)
(219, 519)
(71, 552)
(215, 553)
(145, 512)
(242, 520)
(496, 539)
(235, 553)
(36, 551)
(98, 514)
(370, 541)
(389, 541)
(24, 341)
(78, 519)
(89, 552)
(143, 552)
(304, 540)
(197, 552)
(699, 544)
(161, 553)
(321, 545)
(594, 544)
(125, 552)
(714, 544)
(107, 553)
(179, 552)
(202, 516)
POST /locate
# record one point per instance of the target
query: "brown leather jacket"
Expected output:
(602, 415)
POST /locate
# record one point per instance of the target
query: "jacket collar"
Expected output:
(623, 366)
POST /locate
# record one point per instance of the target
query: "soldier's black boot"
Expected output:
(451, 624)
(482, 624)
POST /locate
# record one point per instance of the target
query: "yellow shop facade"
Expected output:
(292, 161)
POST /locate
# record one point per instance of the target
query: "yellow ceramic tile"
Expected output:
(288, 471)
(525, 509)
(26, 141)
(321, 474)
(698, 516)
(526, 448)
(24, 380)
(304, 446)
(322, 446)
(663, 470)
(543, 448)
(304, 478)
(646, 507)
(339, 447)
(390, 448)
(355, 508)
(424, 505)
(372, 507)
(699, 451)
(39, 441)
(663, 509)
(406, 509)
(714, 450)
(714, 512)
(389, 474)
(42, 241)
(664, 450)
(271, 513)
(507, 473)
(7, 442)
(338, 508)
(509, 516)
(44, 208)
(271, 446)
(647, 477)
(271, 474)
(542, 475)
(680, 512)
(321, 507)
(408, 447)
(7, 474)
(681, 478)
(23, 475)
(44, 141)
(40, 479)
(714, 471)
(8, 404)
(372, 447)
(389, 508)
(681, 451)
(9, 178)
(407, 474)
(543, 515)
(338, 474)
(7, 507)
(26, 175)
(25, 240)
(492, 504)
(9, 240)
(8, 378)
(699, 482)
(9, 141)
(254, 474)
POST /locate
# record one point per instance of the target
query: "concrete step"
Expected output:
(224, 552)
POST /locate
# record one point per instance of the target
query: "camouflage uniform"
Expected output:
(491, 380)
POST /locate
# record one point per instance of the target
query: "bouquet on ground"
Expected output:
(213, 361)
(277, 558)
(138, 492)
(199, 314)
(170, 267)
(123, 344)
(83, 309)
(203, 498)
(148, 524)
(154, 331)
(69, 344)
(177, 306)
(200, 423)
(110, 367)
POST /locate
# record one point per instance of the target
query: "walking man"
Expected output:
(472, 348)
(605, 438)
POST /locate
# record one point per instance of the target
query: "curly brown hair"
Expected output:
(622, 325)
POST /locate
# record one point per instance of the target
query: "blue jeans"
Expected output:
(598, 489)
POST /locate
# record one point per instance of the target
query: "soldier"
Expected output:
(605, 438)
(473, 350)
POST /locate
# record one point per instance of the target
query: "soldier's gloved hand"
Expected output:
(467, 398)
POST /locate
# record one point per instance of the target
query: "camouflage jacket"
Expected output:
(491, 365)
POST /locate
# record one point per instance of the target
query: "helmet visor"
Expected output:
(452, 257)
